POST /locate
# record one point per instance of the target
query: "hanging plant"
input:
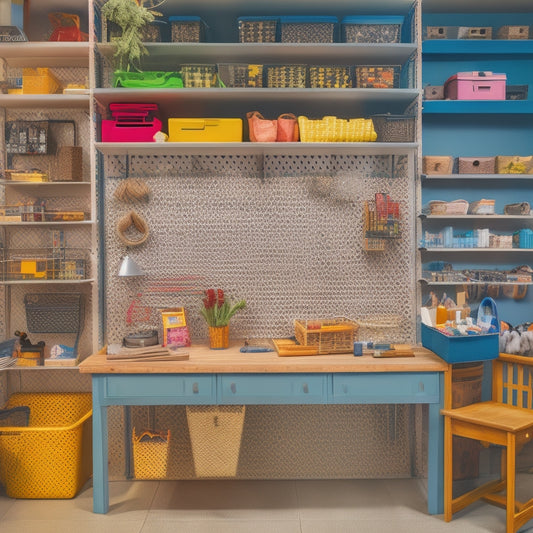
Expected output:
(131, 16)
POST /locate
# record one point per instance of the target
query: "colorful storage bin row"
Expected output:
(476, 32)
(477, 238)
(477, 165)
(320, 29)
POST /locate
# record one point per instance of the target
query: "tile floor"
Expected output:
(324, 506)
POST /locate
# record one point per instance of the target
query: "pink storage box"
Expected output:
(475, 86)
(131, 123)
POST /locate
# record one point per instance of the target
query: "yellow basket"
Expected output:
(39, 81)
(150, 454)
(334, 335)
(333, 129)
(52, 457)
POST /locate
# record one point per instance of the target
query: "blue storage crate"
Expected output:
(308, 29)
(463, 349)
(372, 29)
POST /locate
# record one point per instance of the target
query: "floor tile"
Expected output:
(226, 499)
(70, 526)
(222, 526)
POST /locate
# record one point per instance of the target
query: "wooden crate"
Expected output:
(334, 335)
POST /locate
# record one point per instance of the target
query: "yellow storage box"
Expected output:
(52, 456)
(206, 130)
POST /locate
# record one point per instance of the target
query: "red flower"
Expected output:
(220, 297)
(210, 299)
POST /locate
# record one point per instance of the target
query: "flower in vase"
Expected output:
(217, 310)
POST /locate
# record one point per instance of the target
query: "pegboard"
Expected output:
(285, 234)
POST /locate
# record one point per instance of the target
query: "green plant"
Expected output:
(217, 310)
(131, 16)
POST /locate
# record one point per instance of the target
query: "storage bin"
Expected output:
(258, 29)
(150, 454)
(154, 32)
(514, 164)
(69, 164)
(198, 75)
(282, 76)
(475, 86)
(333, 129)
(151, 79)
(186, 29)
(39, 81)
(216, 435)
(481, 207)
(380, 328)
(371, 29)
(458, 32)
(240, 75)
(204, 130)
(455, 207)
(461, 349)
(523, 239)
(28, 137)
(434, 92)
(377, 77)
(308, 29)
(335, 335)
(437, 164)
(330, 77)
(395, 128)
(131, 122)
(437, 32)
(54, 312)
(477, 165)
(52, 456)
(513, 32)
(516, 92)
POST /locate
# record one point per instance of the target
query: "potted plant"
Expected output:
(131, 16)
(217, 311)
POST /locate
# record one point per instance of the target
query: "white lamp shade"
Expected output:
(129, 268)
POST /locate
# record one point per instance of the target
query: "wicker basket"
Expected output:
(335, 335)
(395, 128)
(380, 328)
(513, 164)
(477, 165)
(330, 77)
(216, 434)
(69, 164)
(197, 75)
(333, 129)
(513, 32)
(282, 76)
(150, 454)
(455, 207)
(437, 164)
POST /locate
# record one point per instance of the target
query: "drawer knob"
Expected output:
(195, 388)
(233, 388)
(420, 386)
(305, 388)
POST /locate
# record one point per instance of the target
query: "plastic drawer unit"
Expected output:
(205, 130)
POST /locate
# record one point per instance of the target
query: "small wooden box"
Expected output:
(437, 164)
(434, 92)
(513, 32)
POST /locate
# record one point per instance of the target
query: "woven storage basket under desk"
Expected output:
(150, 454)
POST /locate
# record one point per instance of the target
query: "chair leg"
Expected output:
(448, 469)
(511, 481)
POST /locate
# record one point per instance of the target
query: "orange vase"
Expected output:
(218, 337)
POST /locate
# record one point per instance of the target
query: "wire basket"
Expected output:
(54, 312)
(330, 77)
(240, 74)
(395, 128)
(377, 77)
(199, 75)
(258, 29)
(334, 335)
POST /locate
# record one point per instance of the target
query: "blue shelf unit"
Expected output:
(478, 129)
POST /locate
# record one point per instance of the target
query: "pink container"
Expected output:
(475, 86)
(131, 123)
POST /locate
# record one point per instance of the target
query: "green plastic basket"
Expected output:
(150, 79)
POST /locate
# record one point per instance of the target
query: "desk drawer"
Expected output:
(272, 389)
(383, 387)
(155, 389)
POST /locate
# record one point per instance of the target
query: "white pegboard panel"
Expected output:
(291, 244)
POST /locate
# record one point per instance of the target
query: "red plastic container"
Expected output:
(131, 123)
(475, 86)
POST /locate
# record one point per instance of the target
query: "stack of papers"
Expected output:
(117, 352)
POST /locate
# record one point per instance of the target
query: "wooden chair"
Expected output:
(507, 421)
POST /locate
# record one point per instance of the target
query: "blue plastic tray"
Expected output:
(467, 349)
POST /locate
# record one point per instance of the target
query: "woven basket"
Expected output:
(513, 164)
(282, 76)
(216, 434)
(256, 30)
(150, 454)
(380, 328)
(335, 335)
(513, 32)
(330, 77)
(377, 77)
(198, 75)
(395, 128)
(437, 164)
(477, 165)
(240, 74)
(333, 129)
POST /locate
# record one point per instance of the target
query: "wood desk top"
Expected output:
(203, 360)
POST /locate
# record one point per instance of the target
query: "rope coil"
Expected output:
(132, 221)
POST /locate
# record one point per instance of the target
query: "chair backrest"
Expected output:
(512, 380)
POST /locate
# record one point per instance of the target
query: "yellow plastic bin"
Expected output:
(52, 457)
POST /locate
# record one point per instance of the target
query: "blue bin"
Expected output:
(464, 349)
